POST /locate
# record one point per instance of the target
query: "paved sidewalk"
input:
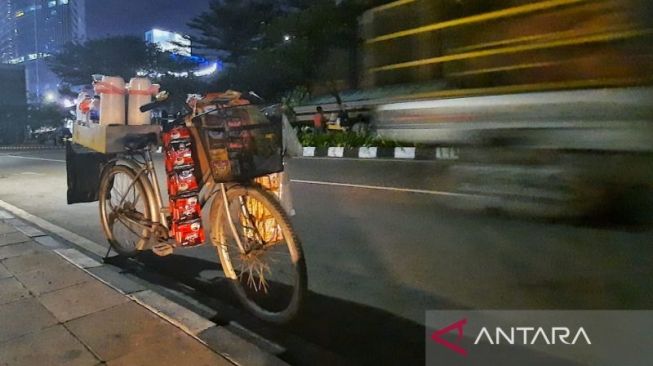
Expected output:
(53, 313)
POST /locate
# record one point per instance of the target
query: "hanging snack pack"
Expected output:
(183, 188)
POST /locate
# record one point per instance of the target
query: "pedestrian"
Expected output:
(319, 120)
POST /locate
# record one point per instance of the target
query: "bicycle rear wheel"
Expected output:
(123, 210)
(269, 273)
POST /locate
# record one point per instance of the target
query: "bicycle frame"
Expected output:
(146, 175)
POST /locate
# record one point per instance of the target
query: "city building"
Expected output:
(173, 42)
(13, 103)
(181, 48)
(31, 30)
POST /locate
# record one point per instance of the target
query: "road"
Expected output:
(382, 247)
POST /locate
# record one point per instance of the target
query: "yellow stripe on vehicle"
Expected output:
(391, 5)
(516, 49)
(504, 13)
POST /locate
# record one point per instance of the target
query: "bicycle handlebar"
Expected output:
(149, 106)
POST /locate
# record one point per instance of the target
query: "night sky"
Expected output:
(134, 17)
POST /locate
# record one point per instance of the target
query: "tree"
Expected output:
(235, 28)
(274, 47)
(123, 56)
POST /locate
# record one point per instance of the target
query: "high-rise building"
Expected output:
(173, 42)
(13, 103)
(31, 30)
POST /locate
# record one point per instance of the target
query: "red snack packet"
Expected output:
(188, 233)
(178, 153)
(182, 180)
(176, 134)
(185, 208)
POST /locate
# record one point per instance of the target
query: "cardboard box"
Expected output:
(109, 139)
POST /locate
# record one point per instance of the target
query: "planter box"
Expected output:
(367, 152)
(404, 153)
(336, 152)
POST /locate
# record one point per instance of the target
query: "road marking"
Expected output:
(380, 188)
(30, 158)
(78, 240)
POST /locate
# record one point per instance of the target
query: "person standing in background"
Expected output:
(319, 120)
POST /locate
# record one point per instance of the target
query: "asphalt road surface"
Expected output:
(381, 249)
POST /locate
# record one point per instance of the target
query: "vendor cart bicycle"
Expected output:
(258, 248)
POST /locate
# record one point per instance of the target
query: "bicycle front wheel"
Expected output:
(268, 269)
(124, 210)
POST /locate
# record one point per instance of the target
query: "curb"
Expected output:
(30, 147)
(399, 153)
(220, 339)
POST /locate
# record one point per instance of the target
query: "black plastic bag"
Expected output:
(84, 167)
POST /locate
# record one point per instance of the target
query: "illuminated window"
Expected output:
(63, 2)
(52, 3)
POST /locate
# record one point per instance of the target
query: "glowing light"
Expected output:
(67, 103)
(50, 97)
(208, 71)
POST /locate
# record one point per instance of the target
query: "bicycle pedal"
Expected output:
(163, 249)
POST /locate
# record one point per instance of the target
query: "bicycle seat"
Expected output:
(139, 142)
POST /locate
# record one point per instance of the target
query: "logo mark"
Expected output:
(437, 336)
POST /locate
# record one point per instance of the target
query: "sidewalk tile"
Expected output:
(78, 258)
(49, 242)
(30, 231)
(52, 278)
(5, 215)
(5, 229)
(23, 317)
(77, 301)
(13, 238)
(117, 279)
(192, 321)
(30, 260)
(25, 228)
(52, 346)
(12, 290)
(125, 328)
(4, 273)
(16, 250)
(239, 350)
(177, 349)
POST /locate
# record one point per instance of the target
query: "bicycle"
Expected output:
(258, 248)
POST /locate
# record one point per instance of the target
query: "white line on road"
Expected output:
(380, 188)
(78, 240)
(30, 158)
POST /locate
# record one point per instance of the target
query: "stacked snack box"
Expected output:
(183, 187)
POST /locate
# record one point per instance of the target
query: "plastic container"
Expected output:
(112, 100)
(83, 103)
(141, 91)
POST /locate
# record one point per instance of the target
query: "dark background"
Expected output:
(134, 17)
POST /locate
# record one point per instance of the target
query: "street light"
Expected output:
(50, 97)
(287, 37)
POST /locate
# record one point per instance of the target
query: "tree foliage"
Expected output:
(123, 56)
(235, 28)
(274, 46)
(126, 57)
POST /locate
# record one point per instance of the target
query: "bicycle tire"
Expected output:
(106, 184)
(293, 244)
